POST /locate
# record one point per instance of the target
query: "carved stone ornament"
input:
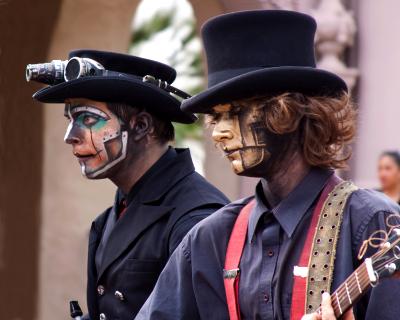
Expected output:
(335, 32)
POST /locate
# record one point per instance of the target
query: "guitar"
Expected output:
(383, 264)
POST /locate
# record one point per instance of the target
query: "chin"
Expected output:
(99, 177)
(254, 171)
(92, 175)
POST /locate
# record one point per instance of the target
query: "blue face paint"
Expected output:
(90, 120)
(97, 137)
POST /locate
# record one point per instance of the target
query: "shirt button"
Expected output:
(119, 295)
(100, 290)
(102, 316)
(270, 253)
(266, 297)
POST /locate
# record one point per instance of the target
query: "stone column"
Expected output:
(24, 38)
(335, 33)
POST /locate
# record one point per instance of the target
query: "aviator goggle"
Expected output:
(58, 71)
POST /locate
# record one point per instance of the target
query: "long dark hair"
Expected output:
(395, 155)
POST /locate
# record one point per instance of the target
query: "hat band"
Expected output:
(223, 75)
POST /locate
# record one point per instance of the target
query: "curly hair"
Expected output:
(325, 125)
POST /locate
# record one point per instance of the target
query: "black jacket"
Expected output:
(167, 202)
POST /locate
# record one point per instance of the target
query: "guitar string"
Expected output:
(352, 285)
(352, 281)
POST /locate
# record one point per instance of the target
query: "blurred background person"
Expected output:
(389, 174)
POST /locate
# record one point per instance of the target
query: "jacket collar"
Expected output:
(146, 209)
(173, 166)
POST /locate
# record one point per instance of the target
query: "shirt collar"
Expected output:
(290, 210)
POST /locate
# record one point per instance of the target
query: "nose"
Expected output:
(222, 132)
(70, 135)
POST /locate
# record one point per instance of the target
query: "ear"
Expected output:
(141, 125)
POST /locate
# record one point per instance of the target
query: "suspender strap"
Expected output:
(232, 260)
(301, 273)
(238, 237)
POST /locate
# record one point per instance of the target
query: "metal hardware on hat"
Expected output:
(48, 73)
(323, 251)
(58, 71)
(165, 86)
(77, 67)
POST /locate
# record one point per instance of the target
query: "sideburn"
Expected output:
(280, 149)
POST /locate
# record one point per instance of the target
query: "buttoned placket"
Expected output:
(270, 234)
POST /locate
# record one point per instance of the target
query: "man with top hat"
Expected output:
(120, 108)
(275, 116)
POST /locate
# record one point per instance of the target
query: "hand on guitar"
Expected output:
(327, 311)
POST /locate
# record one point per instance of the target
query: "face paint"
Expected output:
(241, 133)
(97, 137)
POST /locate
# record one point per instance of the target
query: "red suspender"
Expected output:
(297, 309)
(235, 249)
(232, 260)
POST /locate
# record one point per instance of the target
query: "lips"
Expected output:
(229, 151)
(84, 157)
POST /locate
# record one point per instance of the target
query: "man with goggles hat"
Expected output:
(120, 108)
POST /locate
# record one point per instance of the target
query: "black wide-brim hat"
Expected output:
(127, 87)
(261, 53)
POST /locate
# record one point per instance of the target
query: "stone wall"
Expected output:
(24, 38)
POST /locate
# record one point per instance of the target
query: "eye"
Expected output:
(235, 109)
(212, 118)
(89, 120)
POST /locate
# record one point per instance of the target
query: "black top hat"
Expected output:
(257, 53)
(123, 84)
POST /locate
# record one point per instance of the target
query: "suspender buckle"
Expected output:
(231, 274)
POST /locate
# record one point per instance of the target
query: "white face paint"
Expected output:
(96, 136)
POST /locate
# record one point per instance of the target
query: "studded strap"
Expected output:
(323, 252)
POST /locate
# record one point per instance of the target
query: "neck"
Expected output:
(285, 179)
(136, 165)
(393, 192)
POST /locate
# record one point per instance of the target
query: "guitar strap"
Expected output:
(314, 273)
(237, 239)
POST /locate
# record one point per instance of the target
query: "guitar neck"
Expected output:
(384, 263)
(350, 291)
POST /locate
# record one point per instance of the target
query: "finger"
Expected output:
(312, 316)
(349, 315)
(326, 307)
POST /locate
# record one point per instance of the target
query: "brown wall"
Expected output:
(24, 38)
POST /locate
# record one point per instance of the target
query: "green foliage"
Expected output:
(188, 131)
(160, 21)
